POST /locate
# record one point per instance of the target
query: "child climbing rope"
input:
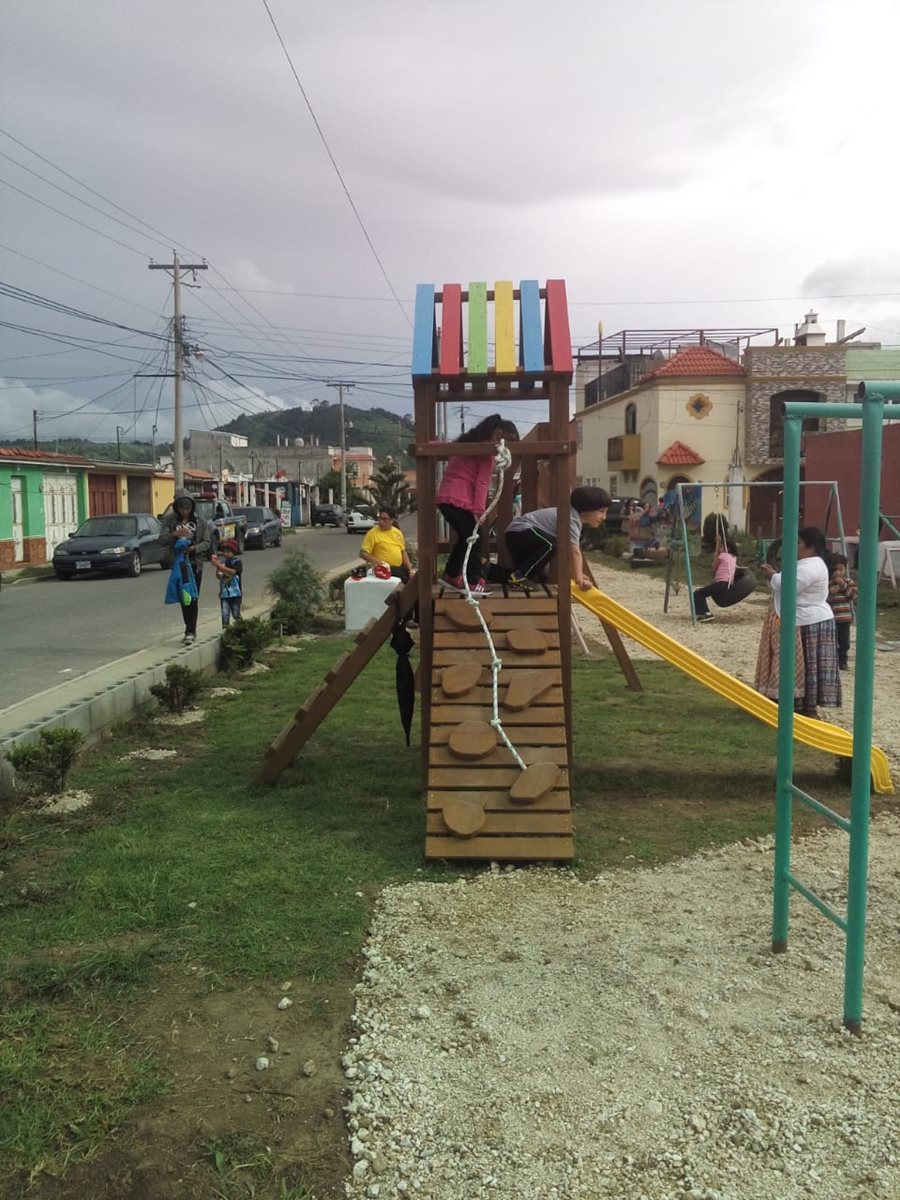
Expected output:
(462, 498)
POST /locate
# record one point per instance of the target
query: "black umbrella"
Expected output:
(401, 644)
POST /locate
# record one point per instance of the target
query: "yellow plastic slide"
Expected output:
(818, 734)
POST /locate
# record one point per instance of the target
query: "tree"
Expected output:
(389, 487)
(332, 479)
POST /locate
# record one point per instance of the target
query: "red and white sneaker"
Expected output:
(480, 588)
(453, 581)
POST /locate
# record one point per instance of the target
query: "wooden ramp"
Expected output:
(319, 703)
(459, 782)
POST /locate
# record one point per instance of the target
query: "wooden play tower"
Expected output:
(448, 370)
(484, 801)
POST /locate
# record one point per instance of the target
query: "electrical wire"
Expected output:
(337, 169)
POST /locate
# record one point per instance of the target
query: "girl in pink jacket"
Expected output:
(462, 498)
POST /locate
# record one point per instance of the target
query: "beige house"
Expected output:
(678, 424)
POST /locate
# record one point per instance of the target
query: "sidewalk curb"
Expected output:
(93, 711)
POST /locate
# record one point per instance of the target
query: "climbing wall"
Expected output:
(481, 804)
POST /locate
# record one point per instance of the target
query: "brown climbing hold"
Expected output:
(472, 739)
(463, 817)
(527, 641)
(534, 783)
(460, 678)
(527, 686)
(463, 614)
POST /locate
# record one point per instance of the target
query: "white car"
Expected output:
(360, 520)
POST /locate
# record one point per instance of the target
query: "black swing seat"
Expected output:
(744, 583)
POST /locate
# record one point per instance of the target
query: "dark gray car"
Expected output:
(125, 542)
(263, 527)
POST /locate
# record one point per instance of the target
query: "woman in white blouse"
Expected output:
(818, 681)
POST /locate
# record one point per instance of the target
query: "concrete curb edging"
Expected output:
(94, 712)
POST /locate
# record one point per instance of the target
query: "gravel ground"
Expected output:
(528, 1035)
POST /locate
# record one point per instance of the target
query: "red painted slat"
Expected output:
(557, 340)
(451, 329)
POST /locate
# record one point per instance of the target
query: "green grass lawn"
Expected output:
(188, 865)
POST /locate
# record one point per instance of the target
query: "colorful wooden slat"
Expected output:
(504, 328)
(451, 330)
(531, 342)
(557, 340)
(424, 332)
(477, 361)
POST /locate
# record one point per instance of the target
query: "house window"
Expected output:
(613, 485)
(631, 418)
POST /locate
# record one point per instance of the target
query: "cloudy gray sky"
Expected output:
(678, 162)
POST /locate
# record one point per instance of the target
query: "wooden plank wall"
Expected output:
(511, 832)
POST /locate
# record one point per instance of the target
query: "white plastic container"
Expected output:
(364, 599)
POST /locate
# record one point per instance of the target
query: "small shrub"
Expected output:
(712, 523)
(615, 546)
(298, 590)
(43, 766)
(181, 688)
(243, 640)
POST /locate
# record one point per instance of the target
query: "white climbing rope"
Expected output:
(502, 463)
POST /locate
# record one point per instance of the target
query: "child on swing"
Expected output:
(724, 566)
(462, 498)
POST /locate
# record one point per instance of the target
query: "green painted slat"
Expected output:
(477, 361)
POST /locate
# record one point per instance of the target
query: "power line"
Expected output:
(75, 278)
(334, 164)
(69, 217)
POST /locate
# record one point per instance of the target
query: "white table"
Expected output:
(888, 556)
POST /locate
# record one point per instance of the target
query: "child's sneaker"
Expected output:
(519, 582)
(480, 588)
(706, 617)
(453, 581)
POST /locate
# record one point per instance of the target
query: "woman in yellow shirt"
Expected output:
(386, 545)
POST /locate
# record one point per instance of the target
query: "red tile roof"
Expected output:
(20, 454)
(680, 455)
(697, 360)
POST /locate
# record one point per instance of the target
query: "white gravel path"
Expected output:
(528, 1035)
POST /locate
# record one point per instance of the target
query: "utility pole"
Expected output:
(462, 418)
(34, 417)
(118, 443)
(153, 447)
(340, 387)
(176, 267)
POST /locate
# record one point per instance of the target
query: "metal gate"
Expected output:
(140, 497)
(60, 509)
(102, 495)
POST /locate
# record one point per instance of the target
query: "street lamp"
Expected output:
(119, 430)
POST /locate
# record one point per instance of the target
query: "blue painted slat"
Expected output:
(424, 332)
(531, 339)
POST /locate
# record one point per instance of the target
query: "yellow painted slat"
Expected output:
(504, 327)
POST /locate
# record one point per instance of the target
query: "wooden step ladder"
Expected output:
(541, 830)
(319, 703)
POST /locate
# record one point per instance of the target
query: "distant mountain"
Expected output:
(385, 432)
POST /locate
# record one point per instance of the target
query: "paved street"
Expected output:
(53, 632)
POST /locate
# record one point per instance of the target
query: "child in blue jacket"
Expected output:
(229, 569)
